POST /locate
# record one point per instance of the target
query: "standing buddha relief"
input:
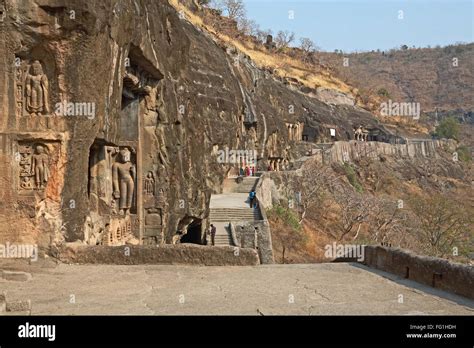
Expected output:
(123, 181)
(149, 184)
(32, 89)
(34, 163)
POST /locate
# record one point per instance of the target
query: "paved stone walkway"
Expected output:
(229, 205)
(314, 289)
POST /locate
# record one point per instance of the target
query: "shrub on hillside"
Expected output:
(448, 128)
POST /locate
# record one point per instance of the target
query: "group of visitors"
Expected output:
(248, 171)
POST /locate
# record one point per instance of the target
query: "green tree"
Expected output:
(464, 153)
(448, 128)
(383, 93)
(442, 223)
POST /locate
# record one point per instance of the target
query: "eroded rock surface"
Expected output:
(112, 116)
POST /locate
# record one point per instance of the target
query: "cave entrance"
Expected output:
(193, 235)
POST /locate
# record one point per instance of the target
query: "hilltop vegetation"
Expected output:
(422, 204)
(439, 78)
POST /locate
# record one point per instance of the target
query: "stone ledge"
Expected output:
(3, 302)
(16, 276)
(18, 306)
(196, 255)
(435, 272)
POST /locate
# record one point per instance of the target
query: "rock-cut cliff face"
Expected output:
(114, 115)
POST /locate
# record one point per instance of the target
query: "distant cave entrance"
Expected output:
(193, 235)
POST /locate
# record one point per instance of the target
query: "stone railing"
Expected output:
(344, 151)
(233, 235)
(179, 254)
(435, 272)
(264, 241)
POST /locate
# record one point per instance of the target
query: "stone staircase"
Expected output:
(247, 185)
(232, 205)
(223, 237)
(234, 214)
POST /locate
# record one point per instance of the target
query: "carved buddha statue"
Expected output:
(123, 177)
(37, 90)
(40, 167)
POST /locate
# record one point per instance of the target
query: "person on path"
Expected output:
(252, 198)
(213, 234)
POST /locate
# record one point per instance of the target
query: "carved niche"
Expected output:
(31, 89)
(112, 179)
(149, 184)
(153, 204)
(124, 174)
(294, 131)
(119, 232)
(34, 165)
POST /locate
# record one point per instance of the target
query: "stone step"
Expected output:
(247, 185)
(240, 212)
(222, 237)
(234, 210)
(234, 217)
(242, 209)
(233, 214)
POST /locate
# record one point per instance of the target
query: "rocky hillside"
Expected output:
(115, 114)
(163, 98)
(438, 78)
(419, 200)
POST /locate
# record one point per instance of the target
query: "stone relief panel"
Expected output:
(153, 203)
(112, 179)
(35, 160)
(149, 184)
(32, 91)
(119, 232)
(138, 81)
(295, 131)
(112, 193)
(124, 174)
(272, 145)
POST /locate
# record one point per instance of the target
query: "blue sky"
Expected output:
(363, 25)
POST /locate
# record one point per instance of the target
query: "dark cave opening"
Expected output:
(193, 235)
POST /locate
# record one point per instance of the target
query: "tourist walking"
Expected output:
(213, 234)
(252, 198)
